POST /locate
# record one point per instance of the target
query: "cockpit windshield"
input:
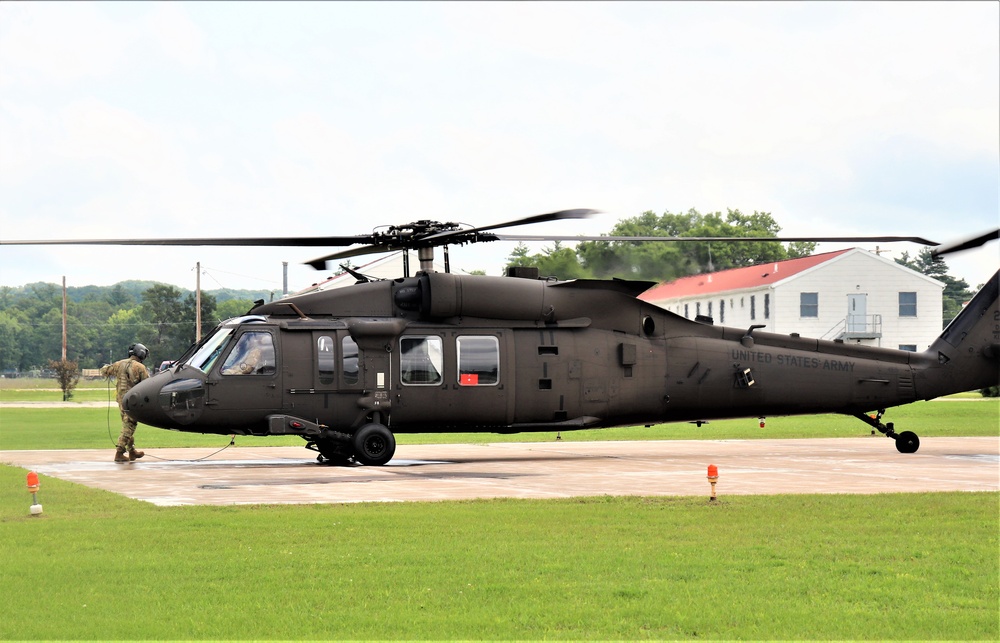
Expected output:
(211, 349)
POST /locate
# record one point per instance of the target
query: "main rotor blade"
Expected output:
(920, 240)
(967, 244)
(248, 241)
(579, 213)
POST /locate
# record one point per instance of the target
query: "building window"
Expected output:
(686, 316)
(908, 347)
(722, 311)
(709, 309)
(809, 304)
(753, 307)
(907, 304)
(697, 309)
(767, 306)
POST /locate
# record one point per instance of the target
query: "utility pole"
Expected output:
(197, 303)
(64, 321)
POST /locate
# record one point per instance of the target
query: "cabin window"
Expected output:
(420, 360)
(326, 363)
(907, 304)
(349, 361)
(908, 347)
(808, 304)
(478, 361)
(252, 355)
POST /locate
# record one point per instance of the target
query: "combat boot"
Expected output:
(120, 455)
(135, 455)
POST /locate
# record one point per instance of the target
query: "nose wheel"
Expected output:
(906, 442)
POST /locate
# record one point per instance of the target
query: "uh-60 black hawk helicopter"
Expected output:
(347, 368)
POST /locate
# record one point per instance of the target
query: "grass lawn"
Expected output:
(96, 428)
(896, 566)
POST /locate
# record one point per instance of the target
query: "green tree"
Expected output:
(11, 331)
(161, 306)
(956, 291)
(229, 309)
(124, 328)
(119, 298)
(660, 261)
(67, 374)
(556, 261)
(189, 321)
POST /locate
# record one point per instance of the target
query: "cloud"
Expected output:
(250, 119)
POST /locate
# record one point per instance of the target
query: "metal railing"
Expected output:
(856, 327)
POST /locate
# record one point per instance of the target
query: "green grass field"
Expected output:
(97, 565)
(95, 428)
(895, 566)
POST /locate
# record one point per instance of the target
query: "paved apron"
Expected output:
(291, 475)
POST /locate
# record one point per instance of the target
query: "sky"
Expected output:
(238, 119)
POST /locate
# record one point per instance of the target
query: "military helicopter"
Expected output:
(347, 369)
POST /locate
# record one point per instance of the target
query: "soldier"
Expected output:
(129, 372)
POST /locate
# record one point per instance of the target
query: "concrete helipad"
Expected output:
(289, 475)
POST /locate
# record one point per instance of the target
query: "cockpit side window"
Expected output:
(252, 355)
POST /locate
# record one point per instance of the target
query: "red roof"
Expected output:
(737, 278)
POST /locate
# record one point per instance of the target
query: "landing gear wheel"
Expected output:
(374, 444)
(907, 442)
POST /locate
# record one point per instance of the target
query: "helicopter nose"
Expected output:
(176, 403)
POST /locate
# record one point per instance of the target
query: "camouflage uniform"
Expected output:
(128, 372)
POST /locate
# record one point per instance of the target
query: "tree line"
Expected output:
(658, 262)
(102, 322)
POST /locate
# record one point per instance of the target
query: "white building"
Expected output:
(852, 294)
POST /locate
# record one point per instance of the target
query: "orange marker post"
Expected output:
(713, 477)
(33, 490)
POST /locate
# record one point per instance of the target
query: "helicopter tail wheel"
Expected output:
(907, 442)
(374, 444)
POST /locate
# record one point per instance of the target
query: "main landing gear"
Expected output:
(373, 444)
(906, 442)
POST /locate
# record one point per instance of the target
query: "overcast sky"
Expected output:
(330, 118)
